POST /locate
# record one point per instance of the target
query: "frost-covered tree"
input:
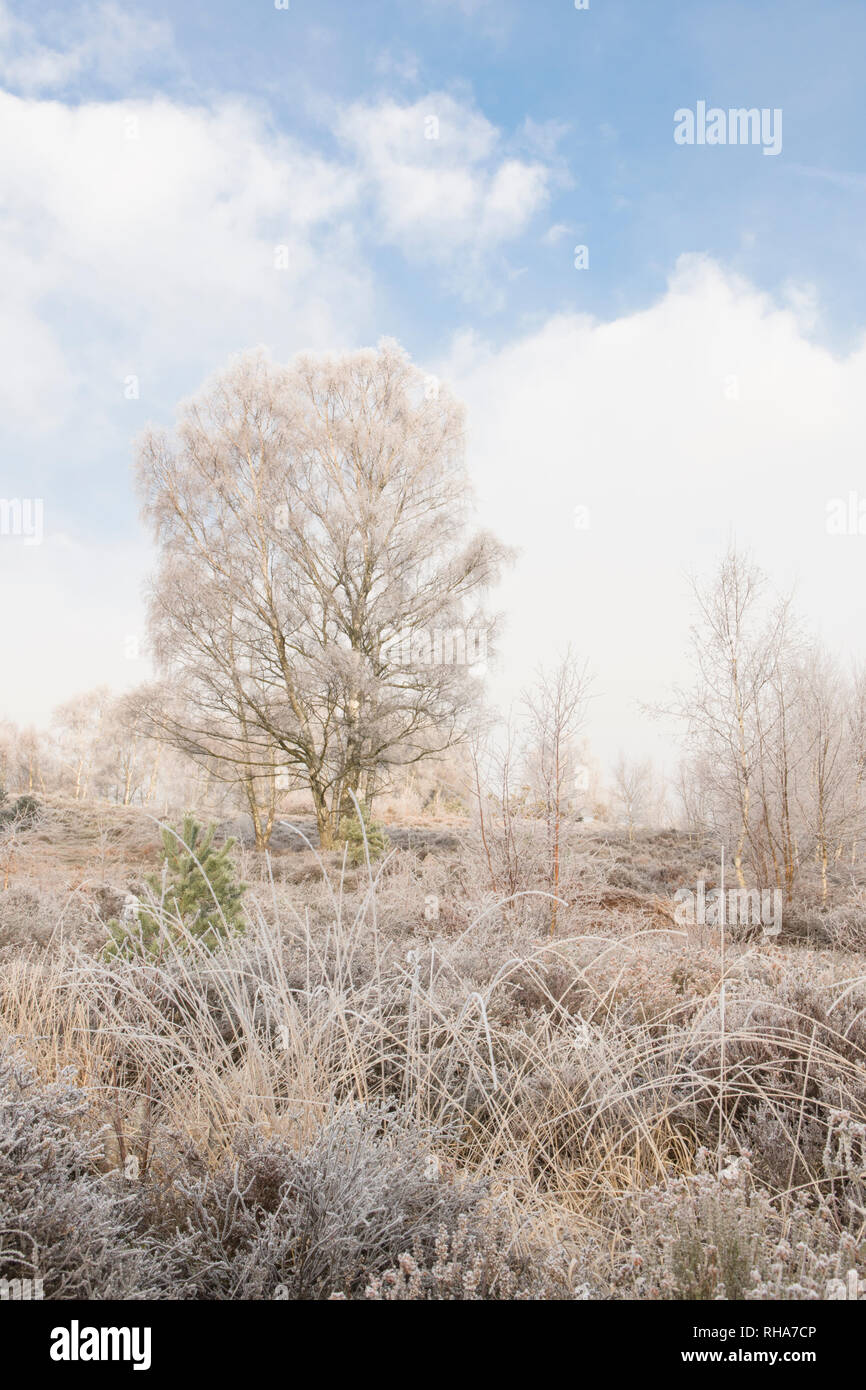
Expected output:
(318, 594)
(556, 707)
(776, 734)
(79, 725)
(631, 790)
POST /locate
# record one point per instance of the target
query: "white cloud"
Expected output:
(803, 301)
(140, 238)
(102, 41)
(494, 16)
(543, 138)
(399, 65)
(69, 611)
(438, 177)
(708, 415)
(555, 233)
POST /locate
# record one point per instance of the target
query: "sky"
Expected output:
(660, 344)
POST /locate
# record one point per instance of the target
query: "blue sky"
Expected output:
(153, 158)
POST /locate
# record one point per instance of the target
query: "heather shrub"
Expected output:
(470, 1265)
(717, 1235)
(27, 918)
(60, 1219)
(33, 918)
(332, 1217)
(845, 924)
(793, 1079)
(329, 1220)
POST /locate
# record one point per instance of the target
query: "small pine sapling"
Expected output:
(22, 814)
(197, 894)
(352, 832)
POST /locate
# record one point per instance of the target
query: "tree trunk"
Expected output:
(325, 820)
(261, 827)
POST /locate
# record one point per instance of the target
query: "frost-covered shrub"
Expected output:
(35, 918)
(61, 1221)
(717, 1235)
(327, 1221)
(332, 1220)
(471, 1265)
(27, 918)
(845, 925)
